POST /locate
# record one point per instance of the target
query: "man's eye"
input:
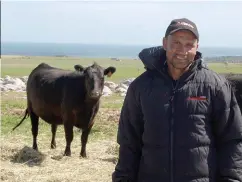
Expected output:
(190, 45)
(176, 42)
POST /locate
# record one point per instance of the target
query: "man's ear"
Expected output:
(109, 71)
(79, 68)
(164, 42)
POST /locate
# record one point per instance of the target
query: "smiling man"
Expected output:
(181, 44)
(180, 121)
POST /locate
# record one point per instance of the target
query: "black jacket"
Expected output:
(188, 132)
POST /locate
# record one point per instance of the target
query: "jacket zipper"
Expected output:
(172, 133)
(171, 123)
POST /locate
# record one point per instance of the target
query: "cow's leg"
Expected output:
(53, 130)
(69, 137)
(35, 124)
(84, 138)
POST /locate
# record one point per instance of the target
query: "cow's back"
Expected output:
(236, 82)
(44, 92)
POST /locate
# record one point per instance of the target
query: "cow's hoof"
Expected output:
(67, 154)
(53, 146)
(83, 155)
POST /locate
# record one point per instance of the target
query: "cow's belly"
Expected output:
(49, 113)
(80, 118)
(52, 114)
(51, 119)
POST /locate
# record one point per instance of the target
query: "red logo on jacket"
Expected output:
(197, 98)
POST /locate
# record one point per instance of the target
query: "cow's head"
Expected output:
(94, 78)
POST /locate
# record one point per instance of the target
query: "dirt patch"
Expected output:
(10, 95)
(15, 111)
(109, 114)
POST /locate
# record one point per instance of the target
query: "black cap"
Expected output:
(182, 24)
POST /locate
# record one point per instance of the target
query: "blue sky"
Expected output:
(118, 22)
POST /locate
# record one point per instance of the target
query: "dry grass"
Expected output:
(21, 163)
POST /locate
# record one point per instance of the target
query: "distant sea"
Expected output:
(91, 50)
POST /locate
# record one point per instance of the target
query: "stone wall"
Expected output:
(8, 83)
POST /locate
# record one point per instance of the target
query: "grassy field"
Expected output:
(22, 65)
(20, 163)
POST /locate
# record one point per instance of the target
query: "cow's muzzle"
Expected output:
(95, 94)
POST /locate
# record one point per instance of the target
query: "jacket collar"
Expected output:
(154, 59)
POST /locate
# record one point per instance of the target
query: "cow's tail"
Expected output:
(25, 116)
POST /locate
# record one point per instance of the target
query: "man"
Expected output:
(180, 121)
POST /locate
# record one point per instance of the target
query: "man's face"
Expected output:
(181, 48)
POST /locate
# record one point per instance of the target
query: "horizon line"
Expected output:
(119, 44)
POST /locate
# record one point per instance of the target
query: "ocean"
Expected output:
(91, 50)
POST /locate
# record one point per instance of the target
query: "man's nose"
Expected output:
(182, 50)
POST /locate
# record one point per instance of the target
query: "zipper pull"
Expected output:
(171, 98)
(172, 95)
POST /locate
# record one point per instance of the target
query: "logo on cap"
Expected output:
(186, 24)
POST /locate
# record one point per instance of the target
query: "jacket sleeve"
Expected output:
(228, 132)
(129, 138)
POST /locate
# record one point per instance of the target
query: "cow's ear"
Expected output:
(79, 68)
(109, 71)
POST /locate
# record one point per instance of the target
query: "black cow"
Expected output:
(236, 82)
(65, 97)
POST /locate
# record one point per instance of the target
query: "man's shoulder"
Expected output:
(208, 76)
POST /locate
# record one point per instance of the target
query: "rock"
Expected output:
(128, 81)
(123, 94)
(24, 79)
(7, 79)
(19, 85)
(12, 84)
(106, 91)
(8, 87)
(120, 90)
(110, 85)
(121, 85)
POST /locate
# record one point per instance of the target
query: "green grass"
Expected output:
(23, 65)
(12, 111)
(230, 68)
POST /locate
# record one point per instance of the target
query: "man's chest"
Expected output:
(161, 101)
